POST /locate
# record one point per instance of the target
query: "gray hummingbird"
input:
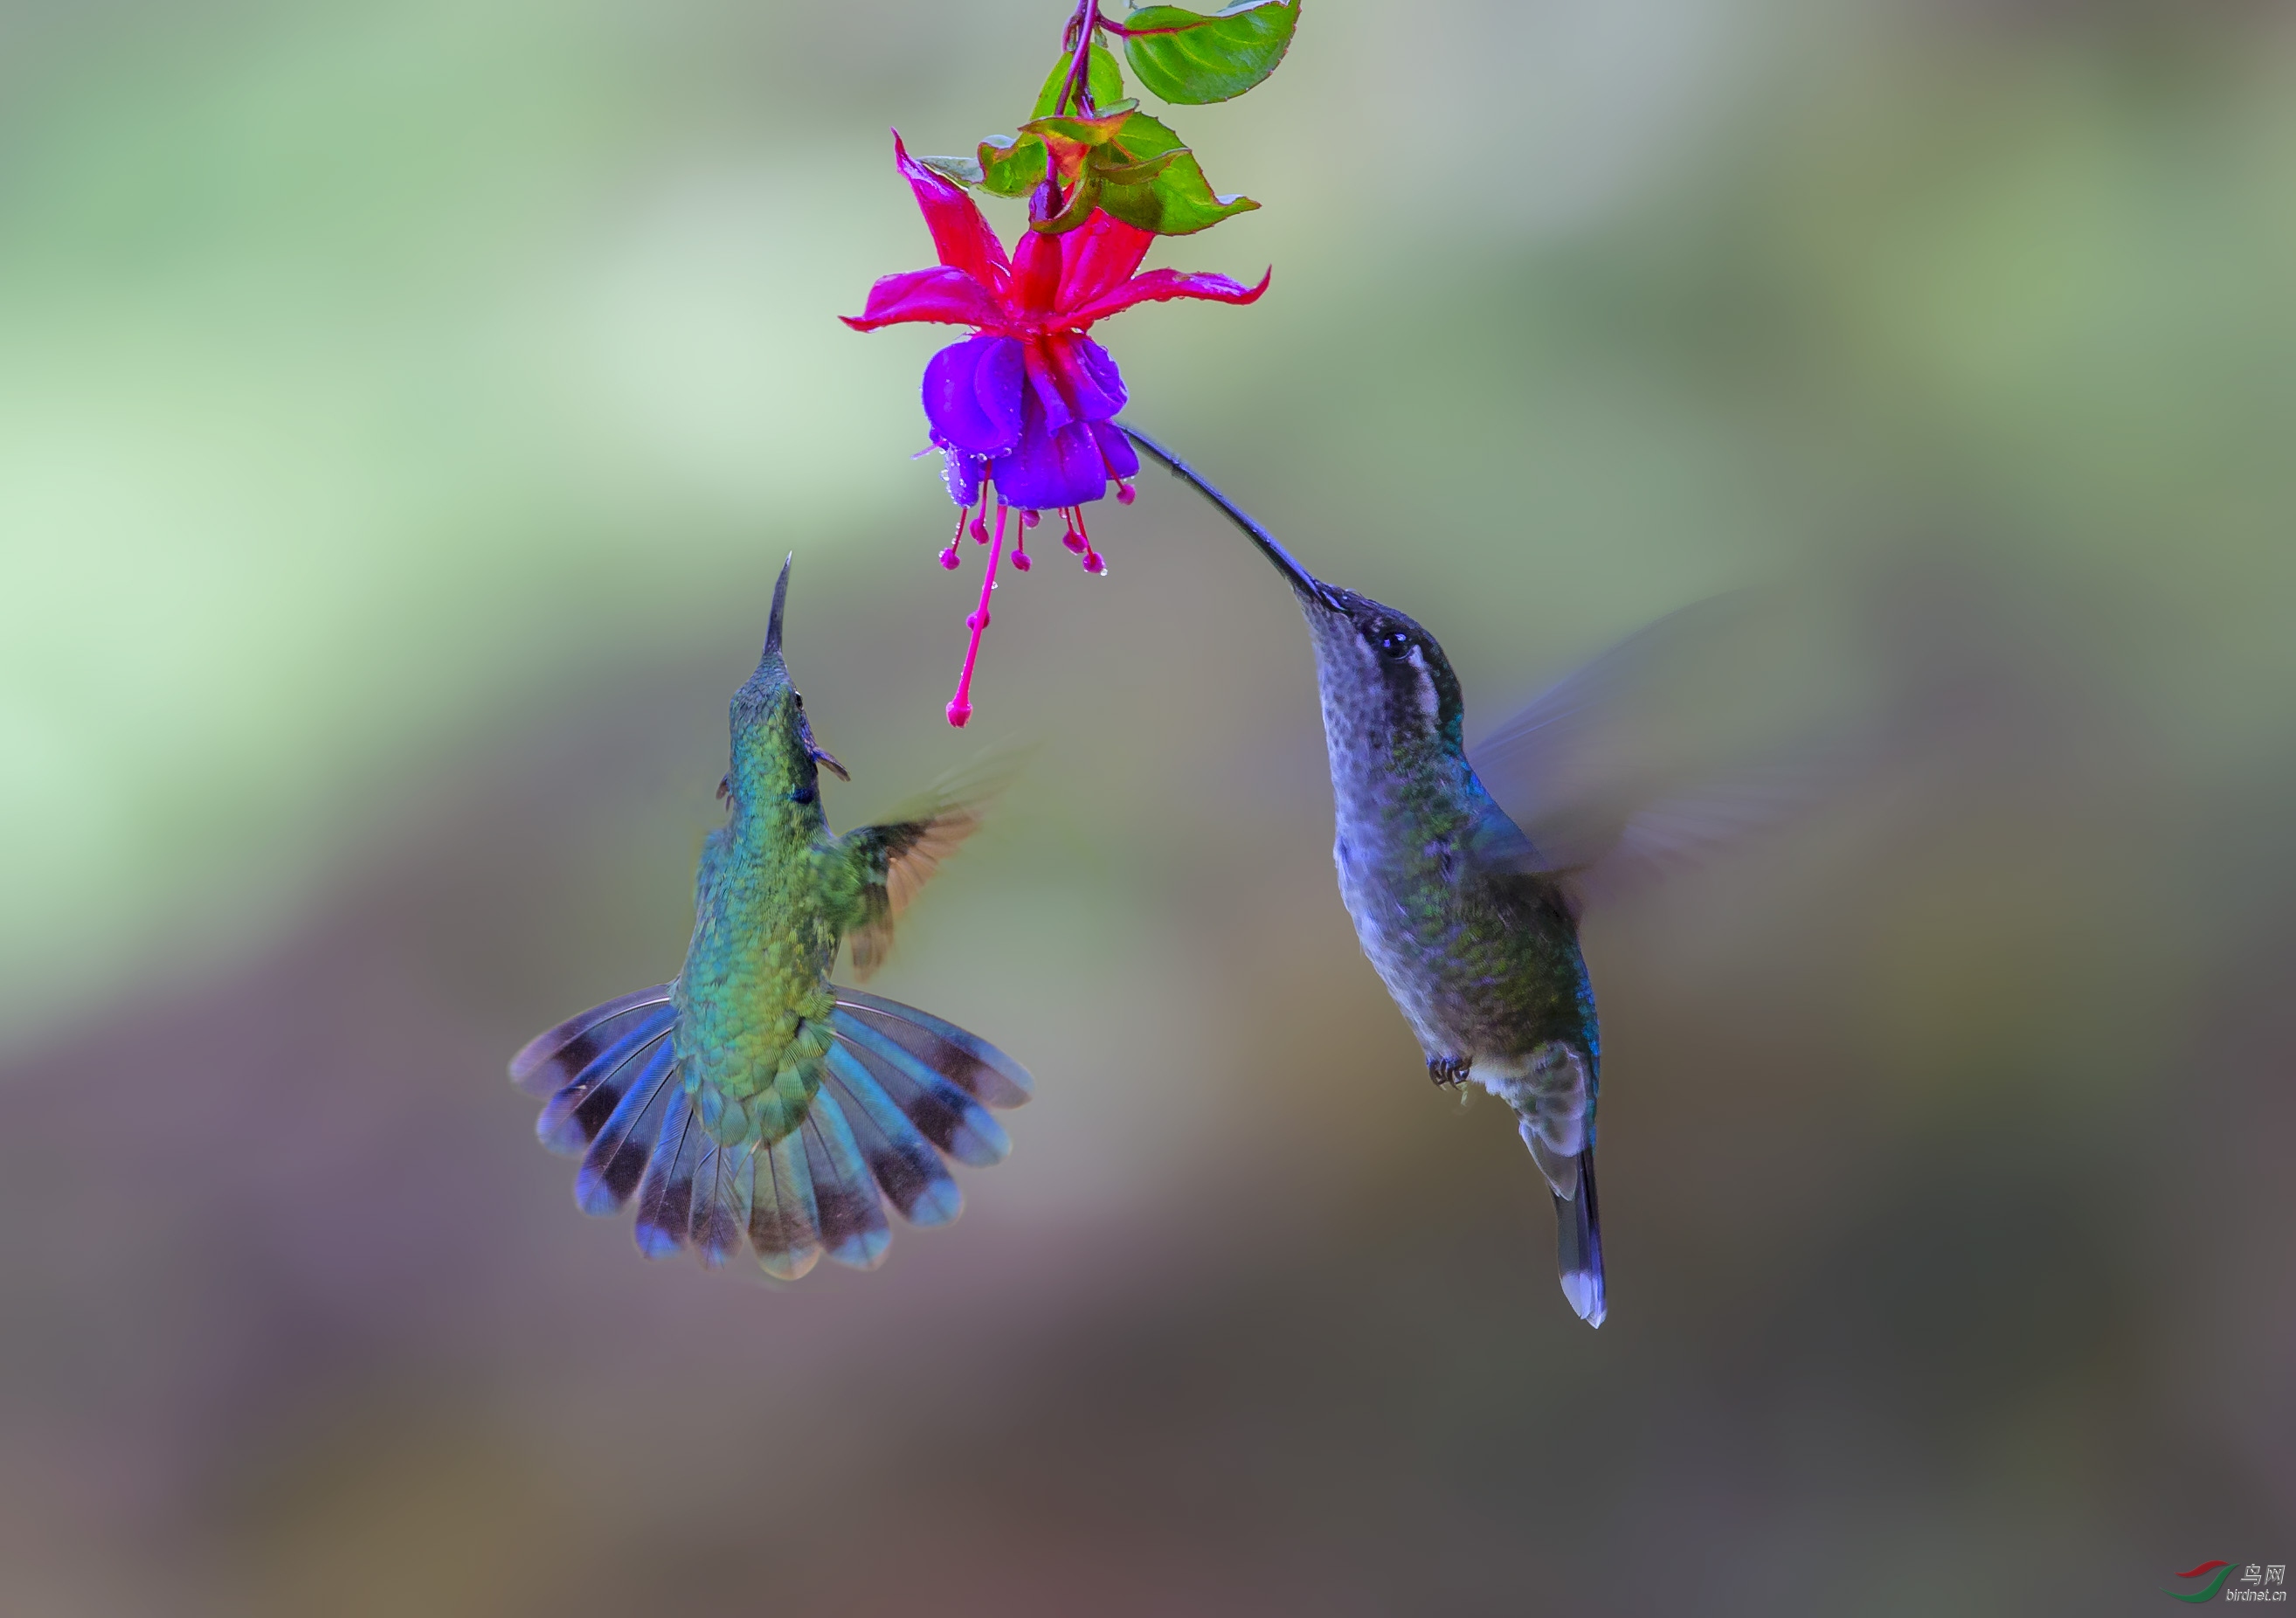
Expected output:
(1471, 924)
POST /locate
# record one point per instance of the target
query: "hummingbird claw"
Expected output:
(1446, 1070)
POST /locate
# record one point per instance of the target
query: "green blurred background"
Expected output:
(403, 410)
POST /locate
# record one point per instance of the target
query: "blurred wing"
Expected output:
(1715, 721)
(896, 858)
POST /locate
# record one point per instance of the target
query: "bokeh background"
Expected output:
(403, 410)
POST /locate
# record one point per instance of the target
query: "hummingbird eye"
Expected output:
(1392, 642)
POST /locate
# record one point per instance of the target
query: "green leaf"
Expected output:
(1076, 131)
(1008, 167)
(1104, 78)
(1188, 57)
(963, 170)
(1178, 200)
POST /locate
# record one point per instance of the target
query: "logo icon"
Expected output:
(2216, 1573)
(2256, 1584)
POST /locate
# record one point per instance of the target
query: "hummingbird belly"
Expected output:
(753, 1004)
(1476, 981)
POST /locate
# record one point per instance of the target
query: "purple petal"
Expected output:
(1053, 467)
(973, 393)
(1074, 379)
(960, 471)
(1123, 460)
(1093, 381)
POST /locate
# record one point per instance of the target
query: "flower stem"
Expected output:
(960, 706)
(1078, 91)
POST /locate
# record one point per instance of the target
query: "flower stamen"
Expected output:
(960, 706)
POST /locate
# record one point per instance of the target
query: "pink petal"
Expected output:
(960, 236)
(1158, 284)
(939, 293)
(1037, 278)
(1098, 256)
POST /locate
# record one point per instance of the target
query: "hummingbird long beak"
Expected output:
(1311, 590)
(774, 624)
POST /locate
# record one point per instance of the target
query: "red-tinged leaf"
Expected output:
(1071, 140)
(1010, 167)
(1190, 58)
(1178, 202)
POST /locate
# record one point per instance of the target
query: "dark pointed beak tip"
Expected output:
(780, 599)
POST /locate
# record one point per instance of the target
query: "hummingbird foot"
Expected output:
(1447, 1070)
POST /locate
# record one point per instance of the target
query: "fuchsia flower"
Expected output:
(1027, 403)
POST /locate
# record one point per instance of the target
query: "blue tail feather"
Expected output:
(722, 1188)
(547, 1063)
(575, 1113)
(948, 1117)
(665, 1193)
(903, 1161)
(616, 1159)
(1578, 1225)
(784, 1226)
(853, 1225)
(969, 1061)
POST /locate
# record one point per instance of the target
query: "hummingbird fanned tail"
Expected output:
(901, 1092)
(1578, 1228)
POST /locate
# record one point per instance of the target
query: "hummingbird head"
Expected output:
(774, 753)
(1380, 669)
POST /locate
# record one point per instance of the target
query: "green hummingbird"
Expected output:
(1472, 924)
(751, 1100)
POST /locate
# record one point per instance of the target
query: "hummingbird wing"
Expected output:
(896, 858)
(1697, 730)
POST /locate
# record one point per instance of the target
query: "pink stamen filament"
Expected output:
(960, 706)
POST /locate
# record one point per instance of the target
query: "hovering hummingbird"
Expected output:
(751, 1099)
(1471, 924)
